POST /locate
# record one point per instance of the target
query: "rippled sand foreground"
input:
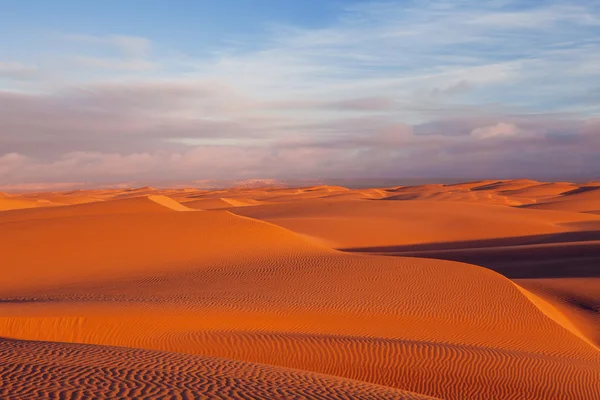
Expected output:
(482, 290)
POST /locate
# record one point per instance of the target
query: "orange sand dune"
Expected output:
(583, 199)
(16, 203)
(265, 286)
(542, 190)
(512, 193)
(456, 195)
(220, 203)
(470, 185)
(284, 195)
(516, 184)
(63, 198)
(208, 204)
(61, 370)
(537, 256)
(418, 188)
(325, 188)
(138, 241)
(143, 191)
(579, 298)
(194, 282)
(136, 205)
(370, 223)
(356, 194)
(168, 203)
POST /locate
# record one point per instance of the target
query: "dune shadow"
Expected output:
(568, 254)
(581, 189)
(489, 186)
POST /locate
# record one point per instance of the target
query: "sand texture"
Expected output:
(482, 290)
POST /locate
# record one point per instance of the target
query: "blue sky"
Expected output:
(193, 27)
(235, 89)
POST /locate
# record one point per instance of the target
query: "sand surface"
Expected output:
(447, 291)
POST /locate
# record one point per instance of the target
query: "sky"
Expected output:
(143, 91)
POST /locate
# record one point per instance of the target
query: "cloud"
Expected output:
(19, 71)
(131, 46)
(40, 186)
(11, 162)
(129, 64)
(388, 89)
(353, 148)
(499, 130)
(352, 104)
(536, 18)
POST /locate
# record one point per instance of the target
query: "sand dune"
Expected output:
(137, 205)
(457, 196)
(500, 186)
(143, 191)
(265, 291)
(354, 224)
(208, 204)
(316, 192)
(8, 203)
(583, 199)
(138, 241)
(63, 198)
(578, 298)
(220, 203)
(168, 203)
(542, 190)
(470, 185)
(511, 193)
(60, 370)
(517, 259)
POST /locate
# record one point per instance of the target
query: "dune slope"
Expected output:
(35, 370)
(377, 223)
(584, 199)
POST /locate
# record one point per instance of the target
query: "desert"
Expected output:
(480, 290)
(300, 199)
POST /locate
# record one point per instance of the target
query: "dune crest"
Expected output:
(556, 315)
(169, 203)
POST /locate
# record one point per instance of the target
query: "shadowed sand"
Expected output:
(257, 276)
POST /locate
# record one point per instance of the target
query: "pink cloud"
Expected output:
(498, 130)
(40, 186)
(169, 130)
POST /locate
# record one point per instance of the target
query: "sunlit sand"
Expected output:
(480, 290)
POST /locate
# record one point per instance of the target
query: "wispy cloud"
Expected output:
(132, 46)
(117, 64)
(17, 71)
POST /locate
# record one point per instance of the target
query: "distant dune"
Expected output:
(303, 293)
(582, 199)
(370, 223)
